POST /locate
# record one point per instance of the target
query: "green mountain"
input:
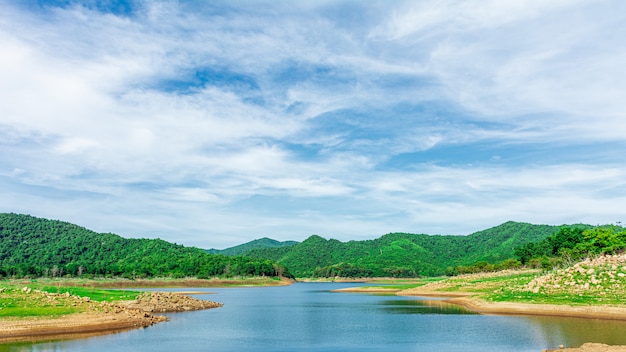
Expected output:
(35, 247)
(260, 243)
(403, 254)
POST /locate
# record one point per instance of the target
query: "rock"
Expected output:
(161, 302)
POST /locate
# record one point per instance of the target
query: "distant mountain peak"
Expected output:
(260, 243)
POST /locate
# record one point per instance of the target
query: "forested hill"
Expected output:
(260, 243)
(36, 247)
(403, 254)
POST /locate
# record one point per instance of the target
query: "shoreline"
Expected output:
(553, 310)
(468, 301)
(477, 305)
(72, 326)
(100, 318)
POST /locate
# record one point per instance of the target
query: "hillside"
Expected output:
(597, 280)
(260, 243)
(35, 247)
(403, 254)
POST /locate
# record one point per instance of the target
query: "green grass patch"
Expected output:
(17, 302)
(14, 303)
(94, 294)
(507, 294)
(513, 287)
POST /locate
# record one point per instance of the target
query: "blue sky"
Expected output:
(214, 123)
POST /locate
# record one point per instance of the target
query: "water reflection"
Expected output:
(422, 307)
(308, 317)
(573, 332)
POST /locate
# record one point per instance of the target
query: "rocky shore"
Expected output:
(97, 317)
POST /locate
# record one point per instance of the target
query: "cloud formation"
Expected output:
(211, 124)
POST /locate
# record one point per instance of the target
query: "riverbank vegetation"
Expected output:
(596, 281)
(62, 296)
(32, 314)
(41, 299)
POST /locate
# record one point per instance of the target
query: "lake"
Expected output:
(308, 317)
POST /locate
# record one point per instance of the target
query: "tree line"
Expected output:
(405, 254)
(35, 247)
(571, 244)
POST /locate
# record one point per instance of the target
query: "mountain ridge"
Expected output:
(37, 247)
(31, 246)
(264, 242)
(404, 254)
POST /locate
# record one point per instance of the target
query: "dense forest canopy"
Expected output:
(35, 247)
(572, 243)
(404, 254)
(255, 244)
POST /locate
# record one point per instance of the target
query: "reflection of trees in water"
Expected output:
(573, 332)
(549, 332)
(423, 307)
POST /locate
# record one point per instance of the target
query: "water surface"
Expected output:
(308, 317)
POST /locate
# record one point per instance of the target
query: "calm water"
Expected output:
(307, 317)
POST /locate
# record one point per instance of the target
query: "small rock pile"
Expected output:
(163, 302)
(599, 275)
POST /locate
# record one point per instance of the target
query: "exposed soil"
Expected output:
(555, 310)
(98, 317)
(593, 347)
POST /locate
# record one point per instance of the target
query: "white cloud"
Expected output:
(506, 59)
(302, 108)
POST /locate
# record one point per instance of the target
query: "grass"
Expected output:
(99, 295)
(15, 301)
(559, 299)
(516, 286)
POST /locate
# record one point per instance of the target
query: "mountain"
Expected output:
(36, 247)
(260, 243)
(403, 254)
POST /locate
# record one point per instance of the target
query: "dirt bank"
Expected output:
(592, 347)
(98, 317)
(466, 300)
(369, 289)
(508, 308)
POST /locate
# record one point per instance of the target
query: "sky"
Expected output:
(213, 123)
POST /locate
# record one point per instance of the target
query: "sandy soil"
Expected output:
(466, 300)
(594, 312)
(369, 289)
(593, 347)
(100, 318)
